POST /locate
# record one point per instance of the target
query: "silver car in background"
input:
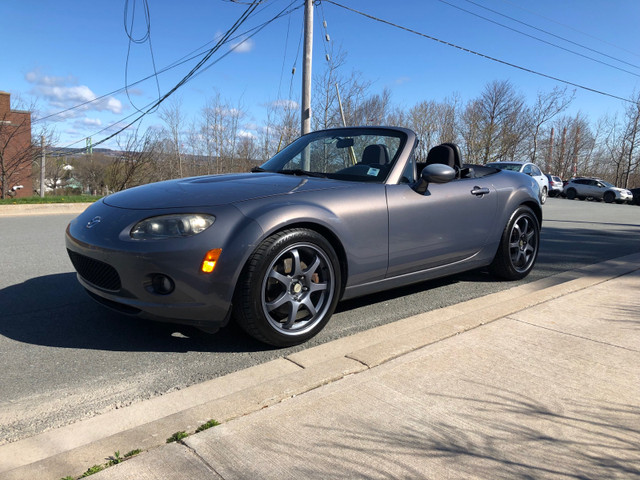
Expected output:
(530, 169)
(337, 214)
(596, 189)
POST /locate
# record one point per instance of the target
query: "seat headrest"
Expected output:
(441, 154)
(375, 155)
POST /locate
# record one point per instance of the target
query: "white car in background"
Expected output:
(597, 189)
(530, 169)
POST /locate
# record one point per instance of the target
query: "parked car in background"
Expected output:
(337, 214)
(597, 189)
(636, 196)
(555, 185)
(527, 168)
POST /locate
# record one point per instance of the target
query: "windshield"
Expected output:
(515, 167)
(344, 154)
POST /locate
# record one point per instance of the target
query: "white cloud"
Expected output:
(92, 122)
(63, 92)
(284, 104)
(243, 46)
(245, 134)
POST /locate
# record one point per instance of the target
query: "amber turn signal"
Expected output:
(210, 259)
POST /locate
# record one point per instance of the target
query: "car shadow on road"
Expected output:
(55, 311)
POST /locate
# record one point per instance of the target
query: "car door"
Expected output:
(535, 173)
(449, 223)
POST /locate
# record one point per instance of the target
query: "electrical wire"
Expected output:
(572, 28)
(181, 61)
(248, 33)
(146, 38)
(552, 34)
(482, 55)
(538, 38)
(284, 56)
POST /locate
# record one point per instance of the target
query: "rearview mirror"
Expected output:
(344, 143)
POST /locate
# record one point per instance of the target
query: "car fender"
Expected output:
(357, 228)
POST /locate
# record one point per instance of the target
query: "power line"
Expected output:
(146, 38)
(552, 34)
(488, 57)
(572, 28)
(150, 106)
(538, 38)
(181, 61)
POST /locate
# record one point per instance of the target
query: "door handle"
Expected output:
(479, 191)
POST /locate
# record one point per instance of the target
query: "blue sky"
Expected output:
(66, 52)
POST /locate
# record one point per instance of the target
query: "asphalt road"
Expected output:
(65, 358)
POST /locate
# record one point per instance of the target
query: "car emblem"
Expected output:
(94, 221)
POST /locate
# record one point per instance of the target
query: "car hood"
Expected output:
(216, 190)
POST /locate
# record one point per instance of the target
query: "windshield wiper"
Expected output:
(299, 171)
(258, 169)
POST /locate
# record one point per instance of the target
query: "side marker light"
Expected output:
(210, 259)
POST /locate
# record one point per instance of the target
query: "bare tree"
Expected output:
(331, 82)
(173, 117)
(547, 106)
(434, 123)
(134, 164)
(90, 171)
(16, 150)
(631, 143)
(501, 124)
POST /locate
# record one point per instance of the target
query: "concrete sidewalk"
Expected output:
(539, 381)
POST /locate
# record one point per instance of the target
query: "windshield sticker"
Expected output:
(373, 172)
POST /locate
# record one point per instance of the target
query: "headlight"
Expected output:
(171, 226)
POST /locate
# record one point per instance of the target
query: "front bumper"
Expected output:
(119, 272)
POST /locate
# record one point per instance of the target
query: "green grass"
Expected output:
(206, 426)
(92, 470)
(49, 199)
(176, 437)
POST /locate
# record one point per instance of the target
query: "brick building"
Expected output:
(15, 150)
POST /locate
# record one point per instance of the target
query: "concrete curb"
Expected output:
(146, 425)
(42, 209)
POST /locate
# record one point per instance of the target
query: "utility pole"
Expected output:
(550, 157)
(306, 67)
(42, 164)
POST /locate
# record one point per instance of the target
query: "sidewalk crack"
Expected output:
(207, 464)
(576, 336)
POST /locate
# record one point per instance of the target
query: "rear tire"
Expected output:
(289, 288)
(519, 246)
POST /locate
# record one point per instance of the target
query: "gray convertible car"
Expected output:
(337, 214)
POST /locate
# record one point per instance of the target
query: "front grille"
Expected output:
(95, 272)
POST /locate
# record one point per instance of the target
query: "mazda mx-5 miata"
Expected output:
(337, 214)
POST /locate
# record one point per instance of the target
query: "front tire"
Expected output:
(289, 288)
(543, 195)
(571, 193)
(519, 246)
(609, 197)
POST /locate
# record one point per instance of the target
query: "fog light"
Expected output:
(210, 259)
(162, 284)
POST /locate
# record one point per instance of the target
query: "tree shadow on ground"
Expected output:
(499, 435)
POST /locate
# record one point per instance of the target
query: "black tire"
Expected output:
(519, 246)
(571, 193)
(543, 195)
(289, 288)
(609, 197)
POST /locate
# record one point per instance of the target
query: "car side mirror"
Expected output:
(434, 173)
